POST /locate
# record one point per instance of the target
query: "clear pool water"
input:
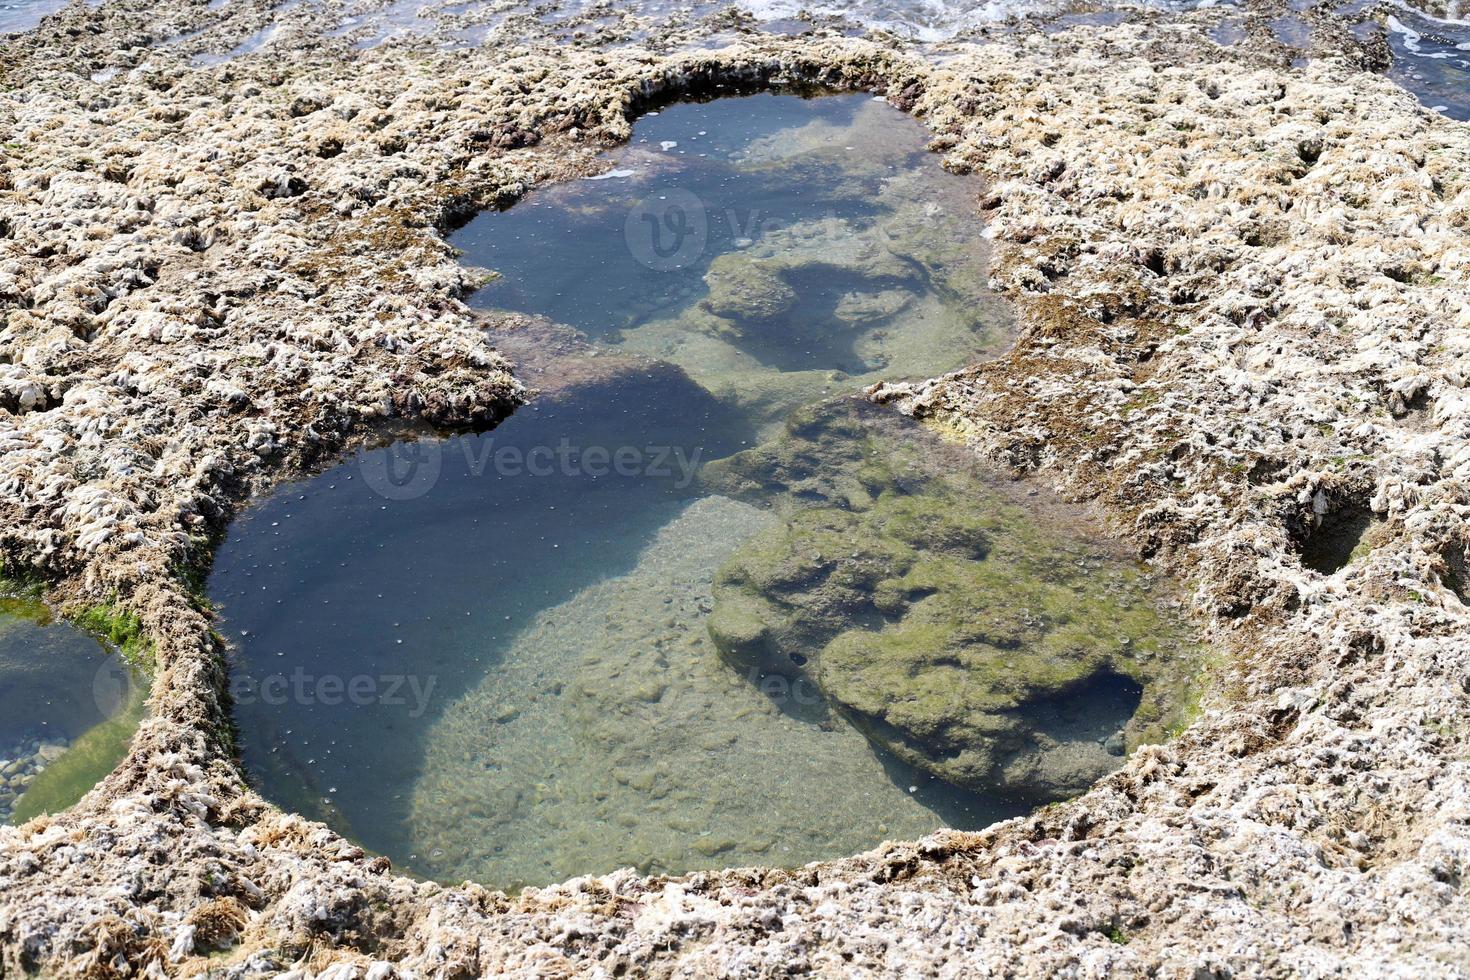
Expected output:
(776, 248)
(492, 655)
(68, 707)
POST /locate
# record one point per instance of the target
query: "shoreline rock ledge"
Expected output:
(1242, 293)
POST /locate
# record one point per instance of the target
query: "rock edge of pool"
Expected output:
(1241, 292)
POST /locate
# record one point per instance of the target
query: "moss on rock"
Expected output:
(955, 628)
(119, 627)
(744, 290)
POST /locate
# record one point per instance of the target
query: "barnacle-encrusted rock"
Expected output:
(1241, 284)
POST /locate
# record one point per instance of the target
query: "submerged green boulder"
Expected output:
(814, 284)
(954, 627)
(742, 289)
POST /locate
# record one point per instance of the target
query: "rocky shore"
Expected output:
(1242, 293)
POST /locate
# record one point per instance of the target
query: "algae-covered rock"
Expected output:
(866, 149)
(812, 285)
(875, 271)
(827, 456)
(745, 290)
(953, 627)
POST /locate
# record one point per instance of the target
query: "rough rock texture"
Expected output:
(1242, 288)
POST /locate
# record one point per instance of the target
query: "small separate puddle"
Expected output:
(696, 605)
(68, 708)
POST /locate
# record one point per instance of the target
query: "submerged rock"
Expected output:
(745, 289)
(859, 307)
(610, 734)
(828, 285)
(948, 623)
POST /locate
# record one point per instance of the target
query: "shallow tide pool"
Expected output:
(695, 605)
(68, 708)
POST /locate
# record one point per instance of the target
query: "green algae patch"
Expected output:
(19, 611)
(964, 632)
(120, 628)
(808, 286)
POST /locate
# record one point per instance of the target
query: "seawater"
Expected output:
(1428, 54)
(489, 655)
(22, 15)
(1432, 59)
(68, 707)
(777, 249)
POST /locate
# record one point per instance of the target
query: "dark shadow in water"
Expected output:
(1091, 711)
(809, 333)
(957, 808)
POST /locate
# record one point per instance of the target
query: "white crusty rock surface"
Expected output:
(1243, 295)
